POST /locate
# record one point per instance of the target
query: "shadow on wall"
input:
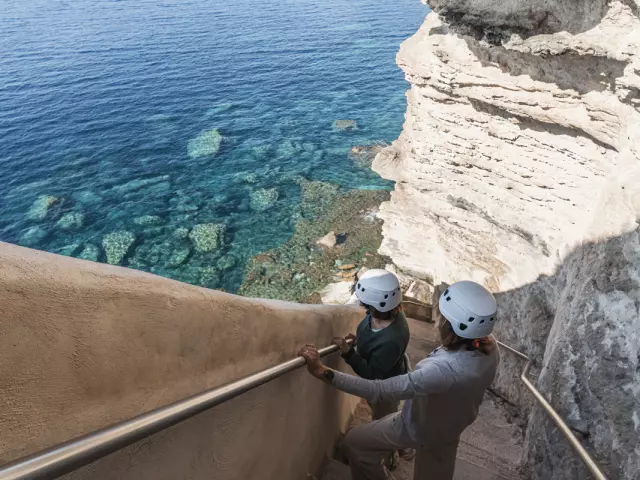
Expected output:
(582, 328)
(527, 17)
(597, 73)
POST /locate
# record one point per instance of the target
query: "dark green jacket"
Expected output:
(380, 355)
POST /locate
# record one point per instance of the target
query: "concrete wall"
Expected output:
(84, 345)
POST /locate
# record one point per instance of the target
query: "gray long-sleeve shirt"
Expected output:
(443, 393)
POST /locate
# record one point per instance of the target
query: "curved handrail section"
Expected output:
(562, 426)
(81, 451)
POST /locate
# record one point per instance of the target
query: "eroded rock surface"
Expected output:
(519, 167)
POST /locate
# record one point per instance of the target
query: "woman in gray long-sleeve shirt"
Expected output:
(442, 394)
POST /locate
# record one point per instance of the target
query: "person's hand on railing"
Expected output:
(342, 343)
(310, 353)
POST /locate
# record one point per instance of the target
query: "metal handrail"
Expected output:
(81, 451)
(562, 426)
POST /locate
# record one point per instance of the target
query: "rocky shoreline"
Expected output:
(338, 233)
(337, 239)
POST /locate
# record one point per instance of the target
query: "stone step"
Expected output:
(334, 470)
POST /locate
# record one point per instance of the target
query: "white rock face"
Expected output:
(336, 293)
(329, 240)
(519, 167)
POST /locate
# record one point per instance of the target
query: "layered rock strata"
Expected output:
(519, 167)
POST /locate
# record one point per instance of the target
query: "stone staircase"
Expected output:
(490, 449)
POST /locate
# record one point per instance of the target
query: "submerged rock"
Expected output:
(32, 236)
(40, 207)
(205, 145)
(263, 199)
(117, 245)
(343, 125)
(209, 277)
(91, 252)
(148, 220)
(71, 221)
(69, 250)
(181, 233)
(227, 262)
(207, 237)
(260, 151)
(288, 149)
(186, 208)
(247, 177)
(179, 256)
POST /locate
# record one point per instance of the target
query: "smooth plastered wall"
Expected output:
(84, 345)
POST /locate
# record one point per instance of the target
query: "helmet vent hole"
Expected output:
(463, 327)
(471, 319)
(363, 289)
(448, 298)
(386, 296)
(358, 286)
(394, 294)
(492, 319)
(446, 292)
(481, 321)
(383, 304)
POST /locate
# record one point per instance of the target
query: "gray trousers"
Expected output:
(367, 445)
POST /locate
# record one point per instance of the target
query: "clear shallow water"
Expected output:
(99, 100)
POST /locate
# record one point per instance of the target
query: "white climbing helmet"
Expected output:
(470, 308)
(379, 289)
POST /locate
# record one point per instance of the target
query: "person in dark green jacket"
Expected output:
(381, 338)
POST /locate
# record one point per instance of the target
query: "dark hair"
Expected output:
(382, 315)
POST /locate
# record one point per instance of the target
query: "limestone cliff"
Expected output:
(519, 167)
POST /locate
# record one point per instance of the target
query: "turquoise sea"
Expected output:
(126, 123)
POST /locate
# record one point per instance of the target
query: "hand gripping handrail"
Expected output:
(81, 451)
(71, 455)
(562, 426)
